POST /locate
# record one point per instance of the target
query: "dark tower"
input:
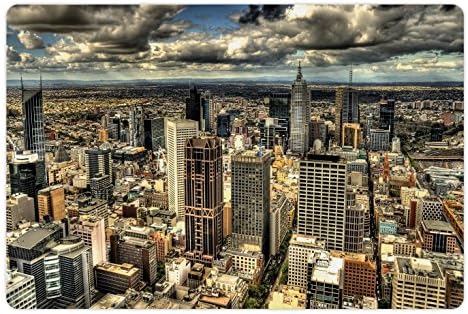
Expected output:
(193, 105)
(203, 199)
(33, 122)
(387, 115)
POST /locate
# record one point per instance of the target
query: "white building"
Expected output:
(20, 290)
(92, 231)
(322, 199)
(19, 207)
(177, 270)
(177, 132)
(300, 247)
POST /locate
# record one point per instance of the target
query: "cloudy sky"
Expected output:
(384, 43)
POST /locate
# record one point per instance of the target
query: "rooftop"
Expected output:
(34, 236)
(419, 267)
(327, 268)
(437, 225)
(109, 301)
(124, 269)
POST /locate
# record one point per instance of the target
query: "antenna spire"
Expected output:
(351, 75)
(299, 71)
(21, 79)
(40, 79)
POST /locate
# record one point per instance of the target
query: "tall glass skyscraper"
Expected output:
(33, 121)
(387, 115)
(300, 115)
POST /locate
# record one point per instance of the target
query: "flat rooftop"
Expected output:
(121, 269)
(108, 301)
(437, 225)
(33, 237)
(421, 267)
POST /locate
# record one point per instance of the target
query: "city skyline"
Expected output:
(384, 43)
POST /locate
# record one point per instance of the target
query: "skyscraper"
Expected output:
(20, 290)
(208, 113)
(19, 207)
(346, 110)
(300, 115)
(203, 199)
(98, 161)
(177, 132)
(251, 200)
(223, 124)
(92, 231)
(51, 202)
(136, 126)
(33, 122)
(387, 115)
(279, 107)
(322, 199)
(193, 106)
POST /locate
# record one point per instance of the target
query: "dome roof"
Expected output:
(105, 146)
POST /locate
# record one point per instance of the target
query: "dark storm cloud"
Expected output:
(268, 12)
(12, 55)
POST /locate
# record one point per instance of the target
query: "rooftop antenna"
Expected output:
(351, 75)
(40, 79)
(21, 79)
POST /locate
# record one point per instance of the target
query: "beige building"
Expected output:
(417, 284)
(51, 201)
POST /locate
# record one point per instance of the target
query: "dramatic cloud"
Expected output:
(266, 38)
(30, 40)
(267, 12)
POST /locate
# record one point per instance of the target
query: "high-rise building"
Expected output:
(251, 200)
(223, 124)
(101, 186)
(300, 247)
(208, 114)
(379, 140)
(396, 145)
(27, 254)
(51, 202)
(322, 199)
(177, 132)
(76, 274)
(177, 270)
(193, 106)
(272, 133)
(33, 122)
(387, 116)
(116, 278)
(346, 110)
(203, 199)
(92, 231)
(20, 290)
(318, 130)
(136, 126)
(279, 211)
(360, 274)
(351, 135)
(154, 133)
(19, 207)
(354, 228)
(299, 115)
(135, 251)
(279, 107)
(417, 283)
(325, 281)
(437, 131)
(98, 161)
(438, 236)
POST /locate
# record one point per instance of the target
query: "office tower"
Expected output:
(360, 274)
(322, 199)
(20, 290)
(354, 228)
(19, 207)
(203, 199)
(437, 131)
(115, 126)
(318, 130)
(429, 208)
(387, 115)
(279, 211)
(154, 133)
(98, 161)
(300, 115)
(163, 242)
(300, 247)
(135, 251)
(455, 288)
(396, 145)
(379, 139)
(177, 133)
(101, 187)
(85, 204)
(193, 106)
(251, 200)
(24, 176)
(103, 135)
(51, 202)
(208, 112)
(33, 122)
(438, 236)
(346, 110)
(116, 278)
(279, 107)
(351, 135)
(92, 231)
(136, 126)
(148, 137)
(76, 273)
(27, 254)
(325, 281)
(417, 283)
(223, 124)
(272, 133)
(177, 270)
